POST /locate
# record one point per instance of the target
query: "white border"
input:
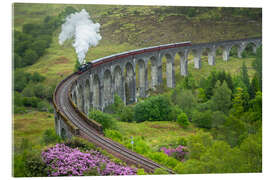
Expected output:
(6, 19)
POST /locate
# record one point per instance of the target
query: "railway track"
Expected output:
(63, 105)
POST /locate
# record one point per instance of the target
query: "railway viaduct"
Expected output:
(96, 87)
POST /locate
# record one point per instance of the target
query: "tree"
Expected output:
(218, 118)
(238, 103)
(202, 119)
(257, 65)
(39, 46)
(30, 57)
(201, 96)
(245, 78)
(251, 153)
(221, 100)
(184, 99)
(182, 120)
(155, 108)
(17, 61)
(36, 77)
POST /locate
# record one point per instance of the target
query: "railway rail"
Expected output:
(81, 128)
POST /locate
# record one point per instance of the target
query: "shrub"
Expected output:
(19, 109)
(140, 171)
(42, 106)
(182, 141)
(31, 101)
(155, 108)
(65, 161)
(106, 120)
(202, 119)
(49, 136)
(182, 120)
(82, 144)
(114, 135)
(34, 166)
(160, 171)
(127, 114)
(175, 111)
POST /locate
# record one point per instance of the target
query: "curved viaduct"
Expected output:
(95, 88)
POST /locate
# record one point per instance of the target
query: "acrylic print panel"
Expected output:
(105, 90)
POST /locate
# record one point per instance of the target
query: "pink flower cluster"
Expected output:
(65, 161)
(179, 152)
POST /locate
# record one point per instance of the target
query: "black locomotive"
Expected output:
(84, 67)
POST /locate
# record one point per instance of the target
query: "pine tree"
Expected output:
(221, 100)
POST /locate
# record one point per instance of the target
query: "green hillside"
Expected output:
(129, 27)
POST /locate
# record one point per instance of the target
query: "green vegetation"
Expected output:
(220, 105)
(106, 120)
(156, 108)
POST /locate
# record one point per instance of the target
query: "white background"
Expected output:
(6, 82)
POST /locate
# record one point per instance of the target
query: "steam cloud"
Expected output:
(85, 33)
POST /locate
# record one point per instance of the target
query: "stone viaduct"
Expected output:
(97, 87)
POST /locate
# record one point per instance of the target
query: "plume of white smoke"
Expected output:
(85, 33)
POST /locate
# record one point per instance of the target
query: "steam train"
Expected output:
(84, 67)
(97, 62)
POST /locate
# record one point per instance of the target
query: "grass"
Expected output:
(156, 134)
(31, 126)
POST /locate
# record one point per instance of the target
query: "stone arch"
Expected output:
(142, 77)
(211, 53)
(63, 133)
(108, 89)
(154, 72)
(183, 62)
(170, 72)
(197, 53)
(80, 98)
(96, 92)
(87, 96)
(118, 82)
(130, 83)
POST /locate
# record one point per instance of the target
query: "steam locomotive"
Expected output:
(84, 67)
(97, 62)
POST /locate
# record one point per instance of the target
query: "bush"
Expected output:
(19, 109)
(182, 120)
(31, 101)
(202, 119)
(140, 171)
(34, 165)
(49, 137)
(175, 111)
(82, 144)
(118, 105)
(106, 120)
(114, 135)
(127, 114)
(43, 106)
(155, 108)
(160, 171)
